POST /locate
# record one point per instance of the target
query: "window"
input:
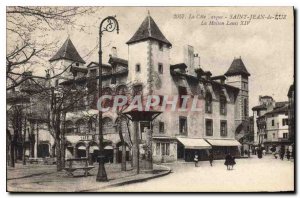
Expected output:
(285, 121)
(137, 68)
(223, 128)
(273, 135)
(208, 103)
(77, 64)
(161, 100)
(285, 135)
(245, 107)
(162, 148)
(160, 46)
(160, 68)
(209, 127)
(137, 90)
(181, 92)
(273, 123)
(93, 72)
(222, 105)
(144, 125)
(113, 80)
(266, 136)
(183, 125)
(161, 127)
(157, 148)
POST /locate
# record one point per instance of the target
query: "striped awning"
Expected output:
(194, 143)
(223, 142)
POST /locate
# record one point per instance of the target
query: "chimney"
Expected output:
(188, 59)
(196, 61)
(114, 52)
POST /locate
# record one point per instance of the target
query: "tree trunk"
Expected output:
(24, 148)
(123, 164)
(58, 156)
(58, 143)
(12, 154)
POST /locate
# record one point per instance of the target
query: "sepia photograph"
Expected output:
(150, 99)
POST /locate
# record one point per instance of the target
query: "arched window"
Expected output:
(107, 124)
(208, 103)
(107, 102)
(92, 123)
(122, 90)
(223, 104)
(81, 126)
(69, 127)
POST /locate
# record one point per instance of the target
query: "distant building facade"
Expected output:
(271, 123)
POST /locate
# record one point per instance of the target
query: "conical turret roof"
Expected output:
(69, 52)
(237, 67)
(148, 30)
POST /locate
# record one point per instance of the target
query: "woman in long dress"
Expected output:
(228, 161)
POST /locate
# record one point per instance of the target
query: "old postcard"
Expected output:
(150, 99)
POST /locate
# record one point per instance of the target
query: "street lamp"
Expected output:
(111, 24)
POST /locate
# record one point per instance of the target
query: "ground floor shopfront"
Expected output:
(170, 149)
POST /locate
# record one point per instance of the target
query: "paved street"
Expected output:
(252, 174)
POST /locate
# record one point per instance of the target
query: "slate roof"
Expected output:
(117, 60)
(280, 110)
(148, 30)
(221, 77)
(237, 67)
(259, 107)
(69, 52)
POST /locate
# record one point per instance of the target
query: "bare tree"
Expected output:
(27, 28)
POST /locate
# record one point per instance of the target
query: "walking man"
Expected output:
(196, 160)
(288, 154)
(282, 151)
(211, 158)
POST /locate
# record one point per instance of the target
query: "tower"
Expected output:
(65, 57)
(237, 76)
(148, 59)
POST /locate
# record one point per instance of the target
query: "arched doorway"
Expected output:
(81, 150)
(43, 150)
(94, 151)
(109, 153)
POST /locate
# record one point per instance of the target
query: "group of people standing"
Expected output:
(229, 160)
(282, 152)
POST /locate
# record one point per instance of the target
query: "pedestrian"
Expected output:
(246, 152)
(211, 158)
(232, 162)
(282, 151)
(259, 153)
(196, 160)
(228, 161)
(249, 153)
(288, 154)
(264, 152)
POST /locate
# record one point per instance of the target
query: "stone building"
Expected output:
(179, 135)
(270, 123)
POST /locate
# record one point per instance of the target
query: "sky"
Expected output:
(265, 46)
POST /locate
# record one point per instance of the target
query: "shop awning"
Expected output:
(223, 142)
(108, 147)
(194, 143)
(81, 148)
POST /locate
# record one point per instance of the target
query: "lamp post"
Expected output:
(108, 24)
